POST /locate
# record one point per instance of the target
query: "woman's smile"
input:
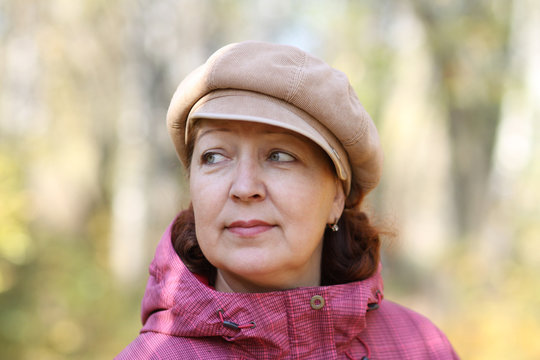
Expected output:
(250, 228)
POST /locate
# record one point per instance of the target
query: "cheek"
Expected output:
(204, 200)
(203, 209)
(313, 188)
(203, 188)
(307, 202)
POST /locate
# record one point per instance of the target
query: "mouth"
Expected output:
(248, 228)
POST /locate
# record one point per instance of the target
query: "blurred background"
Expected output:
(89, 178)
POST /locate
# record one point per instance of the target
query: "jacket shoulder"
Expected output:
(394, 329)
(154, 346)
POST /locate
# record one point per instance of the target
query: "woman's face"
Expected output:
(262, 196)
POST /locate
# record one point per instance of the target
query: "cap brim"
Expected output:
(238, 105)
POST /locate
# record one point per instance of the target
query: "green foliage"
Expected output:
(57, 299)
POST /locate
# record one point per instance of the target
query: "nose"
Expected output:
(248, 182)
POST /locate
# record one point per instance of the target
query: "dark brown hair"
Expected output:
(187, 247)
(350, 254)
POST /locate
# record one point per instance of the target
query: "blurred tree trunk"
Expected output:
(468, 42)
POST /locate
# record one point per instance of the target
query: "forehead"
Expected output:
(205, 127)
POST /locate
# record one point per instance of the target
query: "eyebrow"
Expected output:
(208, 131)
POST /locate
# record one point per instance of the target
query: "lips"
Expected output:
(249, 228)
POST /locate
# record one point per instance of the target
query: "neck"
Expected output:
(226, 282)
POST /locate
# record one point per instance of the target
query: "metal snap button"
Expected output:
(317, 302)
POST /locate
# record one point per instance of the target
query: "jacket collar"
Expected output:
(177, 303)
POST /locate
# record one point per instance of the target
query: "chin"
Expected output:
(253, 269)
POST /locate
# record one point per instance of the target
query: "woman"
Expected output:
(274, 259)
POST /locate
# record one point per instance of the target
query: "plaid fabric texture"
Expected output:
(181, 317)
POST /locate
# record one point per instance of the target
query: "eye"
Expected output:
(212, 158)
(280, 156)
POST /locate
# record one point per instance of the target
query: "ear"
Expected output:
(338, 204)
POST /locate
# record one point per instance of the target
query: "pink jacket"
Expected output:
(186, 319)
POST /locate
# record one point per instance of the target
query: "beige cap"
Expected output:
(283, 86)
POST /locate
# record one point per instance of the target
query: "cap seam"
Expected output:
(297, 80)
(214, 66)
(354, 139)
